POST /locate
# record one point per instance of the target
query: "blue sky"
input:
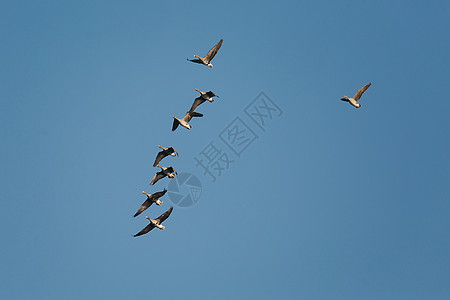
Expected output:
(330, 202)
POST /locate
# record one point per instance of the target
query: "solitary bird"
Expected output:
(206, 60)
(163, 173)
(203, 97)
(185, 121)
(354, 101)
(155, 223)
(166, 151)
(151, 198)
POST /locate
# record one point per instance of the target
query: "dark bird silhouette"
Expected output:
(155, 223)
(151, 198)
(165, 171)
(204, 96)
(166, 151)
(206, 60)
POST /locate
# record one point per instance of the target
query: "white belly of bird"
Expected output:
(184, 124)
(353, 102)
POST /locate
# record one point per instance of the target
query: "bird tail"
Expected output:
(175, 124)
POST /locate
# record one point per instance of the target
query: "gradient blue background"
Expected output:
(331, 202)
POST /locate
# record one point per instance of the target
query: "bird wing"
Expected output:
(197, 102)
(208, 57)
(159, 157)
(175, 124)
(145, 230)
(189, 115)
(170, 170)
(211, 94)
(361, 91)
(144, 206)
(158, 195)
(157, 177)
(196, 114)
(165, 215)
(172, 150)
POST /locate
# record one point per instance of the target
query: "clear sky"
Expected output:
(327, 202)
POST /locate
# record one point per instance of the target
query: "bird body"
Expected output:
(151, 198)
(206, 60)
(204, 96)
(155, 223)
(185, 121)
(354, 101)
(166, 151)
(165, 171)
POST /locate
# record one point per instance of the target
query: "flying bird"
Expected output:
(185, 121)
(151, 198)
(166, 151)
(354, 101)
(155, 223)
(206, 60)
(163, 173)
(203, 97)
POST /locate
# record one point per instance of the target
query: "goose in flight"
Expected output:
(166, 151)
(203, 97)
(151, 198)
(155, 223)
(354, 101)
(185, 121)
(206, 60)
(163, 173)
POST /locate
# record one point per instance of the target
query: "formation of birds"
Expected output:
(170, 151)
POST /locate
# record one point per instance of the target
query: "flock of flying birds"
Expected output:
(170, 151)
